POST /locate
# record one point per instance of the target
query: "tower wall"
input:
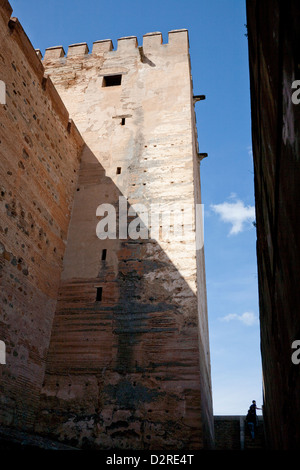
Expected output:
(132, 368)
(39, 161)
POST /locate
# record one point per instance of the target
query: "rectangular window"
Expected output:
(104, 251)
(112, 80)
(123, 122)
(118, 172)
(99, 294)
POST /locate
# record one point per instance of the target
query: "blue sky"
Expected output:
(219, 59)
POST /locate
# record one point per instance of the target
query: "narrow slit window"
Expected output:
(112, 80)
(104, 252)
(123, 122)
(118, 170)
(99, 294)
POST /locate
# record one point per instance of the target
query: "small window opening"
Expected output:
(99, 294)
(123, 122)
(104, 252)
(118, 170)
(112, 80)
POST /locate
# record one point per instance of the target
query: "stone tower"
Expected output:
(128, 364)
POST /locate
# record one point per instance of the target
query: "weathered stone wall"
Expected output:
(131, 370)
(273, 35)
(40, 152)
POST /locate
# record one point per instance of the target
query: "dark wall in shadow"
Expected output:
(273, 35)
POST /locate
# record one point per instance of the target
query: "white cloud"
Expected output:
(235, 213)
(247, 318)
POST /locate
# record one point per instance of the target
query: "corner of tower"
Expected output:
(177, 41)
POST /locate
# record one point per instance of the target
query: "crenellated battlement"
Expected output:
(152, 44)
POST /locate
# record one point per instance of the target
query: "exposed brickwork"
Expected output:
(40, 152)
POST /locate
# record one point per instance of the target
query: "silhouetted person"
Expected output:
(251, 418)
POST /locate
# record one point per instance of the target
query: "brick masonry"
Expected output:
(40, 155)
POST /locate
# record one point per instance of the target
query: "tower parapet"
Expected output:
(152, 43)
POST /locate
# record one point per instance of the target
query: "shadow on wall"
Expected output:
(123, 367)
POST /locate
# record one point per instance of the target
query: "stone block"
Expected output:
(55, 52)
(100, 47)
(79, 49)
